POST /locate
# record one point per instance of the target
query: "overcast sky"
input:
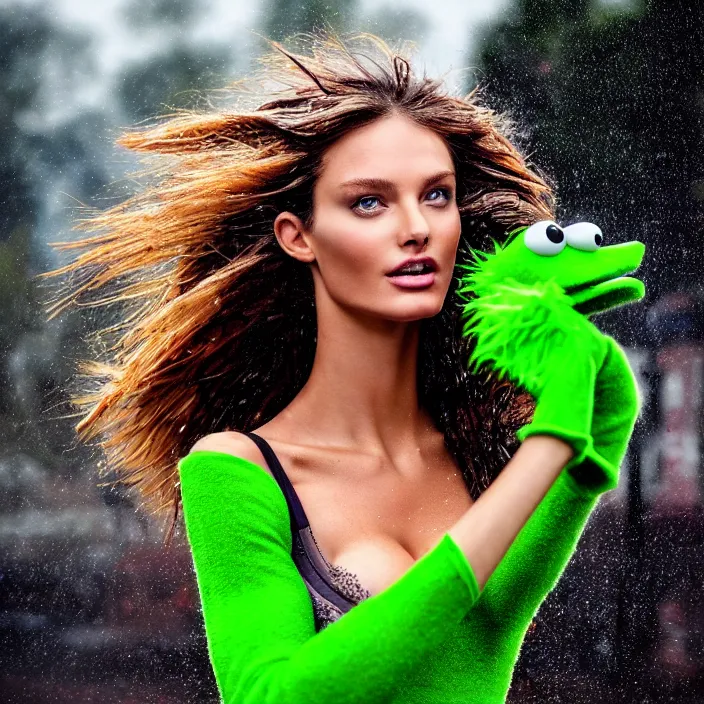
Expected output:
(451, 25)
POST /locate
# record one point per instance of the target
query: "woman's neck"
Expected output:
(362, 390)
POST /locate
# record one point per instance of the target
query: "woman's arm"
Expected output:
(538, 556)
(257, 610)
(258, 613)
(489, 527)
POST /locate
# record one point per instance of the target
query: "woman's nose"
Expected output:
(415, 226)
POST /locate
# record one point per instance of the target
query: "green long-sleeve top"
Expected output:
(431, 637)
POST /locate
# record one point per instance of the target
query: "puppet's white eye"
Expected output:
(584, 235)
(545, 238)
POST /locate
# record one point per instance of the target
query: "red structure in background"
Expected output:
(681, 411)
(674, 521)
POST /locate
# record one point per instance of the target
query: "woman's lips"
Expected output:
(413, 280)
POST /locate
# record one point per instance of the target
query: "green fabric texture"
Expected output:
(429, 638)
(527, 307)
(617, 404)
(533, 335)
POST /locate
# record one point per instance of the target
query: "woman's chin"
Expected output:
(418, 310)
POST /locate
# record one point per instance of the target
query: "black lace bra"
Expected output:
(333, 589)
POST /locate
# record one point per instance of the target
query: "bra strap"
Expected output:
(298, 515)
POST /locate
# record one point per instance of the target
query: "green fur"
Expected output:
(526, 308)
(518, 327)
(430, 637)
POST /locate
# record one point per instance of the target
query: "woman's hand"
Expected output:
(565, 395)
(527, 306)
(533, 336)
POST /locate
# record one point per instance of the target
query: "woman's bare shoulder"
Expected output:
(232, 443)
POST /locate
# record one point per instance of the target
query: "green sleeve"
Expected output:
(258, 613)
(538, 556)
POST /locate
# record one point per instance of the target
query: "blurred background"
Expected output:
(609, 97)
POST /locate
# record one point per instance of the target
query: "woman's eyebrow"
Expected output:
(383, 184)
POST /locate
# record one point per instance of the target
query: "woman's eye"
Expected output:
(445, 191)
(359, 201)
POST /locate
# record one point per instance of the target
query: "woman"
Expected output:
(299, 359)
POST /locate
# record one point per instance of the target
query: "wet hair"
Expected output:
(216, 326)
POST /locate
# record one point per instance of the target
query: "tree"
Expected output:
(609, 104)
(283, 18)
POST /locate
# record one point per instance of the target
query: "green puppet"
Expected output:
(527, 307)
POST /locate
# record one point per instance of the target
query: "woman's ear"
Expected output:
(292, 237)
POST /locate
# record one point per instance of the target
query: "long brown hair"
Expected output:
(216, 327)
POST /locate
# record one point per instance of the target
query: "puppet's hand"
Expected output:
(533, 336)
(617, 403)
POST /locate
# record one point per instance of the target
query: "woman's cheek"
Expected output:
(345, 269)
(360, 257)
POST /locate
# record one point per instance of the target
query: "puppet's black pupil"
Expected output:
(554, 233)
(598, 239)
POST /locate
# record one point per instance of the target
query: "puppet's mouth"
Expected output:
(605, 285)
(595, 297)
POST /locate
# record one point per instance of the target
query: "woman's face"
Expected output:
(386, 193)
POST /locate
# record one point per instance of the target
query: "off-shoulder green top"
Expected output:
(431, 637)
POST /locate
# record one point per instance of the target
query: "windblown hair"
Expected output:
(216, 327)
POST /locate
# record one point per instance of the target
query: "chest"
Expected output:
(375, 522)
